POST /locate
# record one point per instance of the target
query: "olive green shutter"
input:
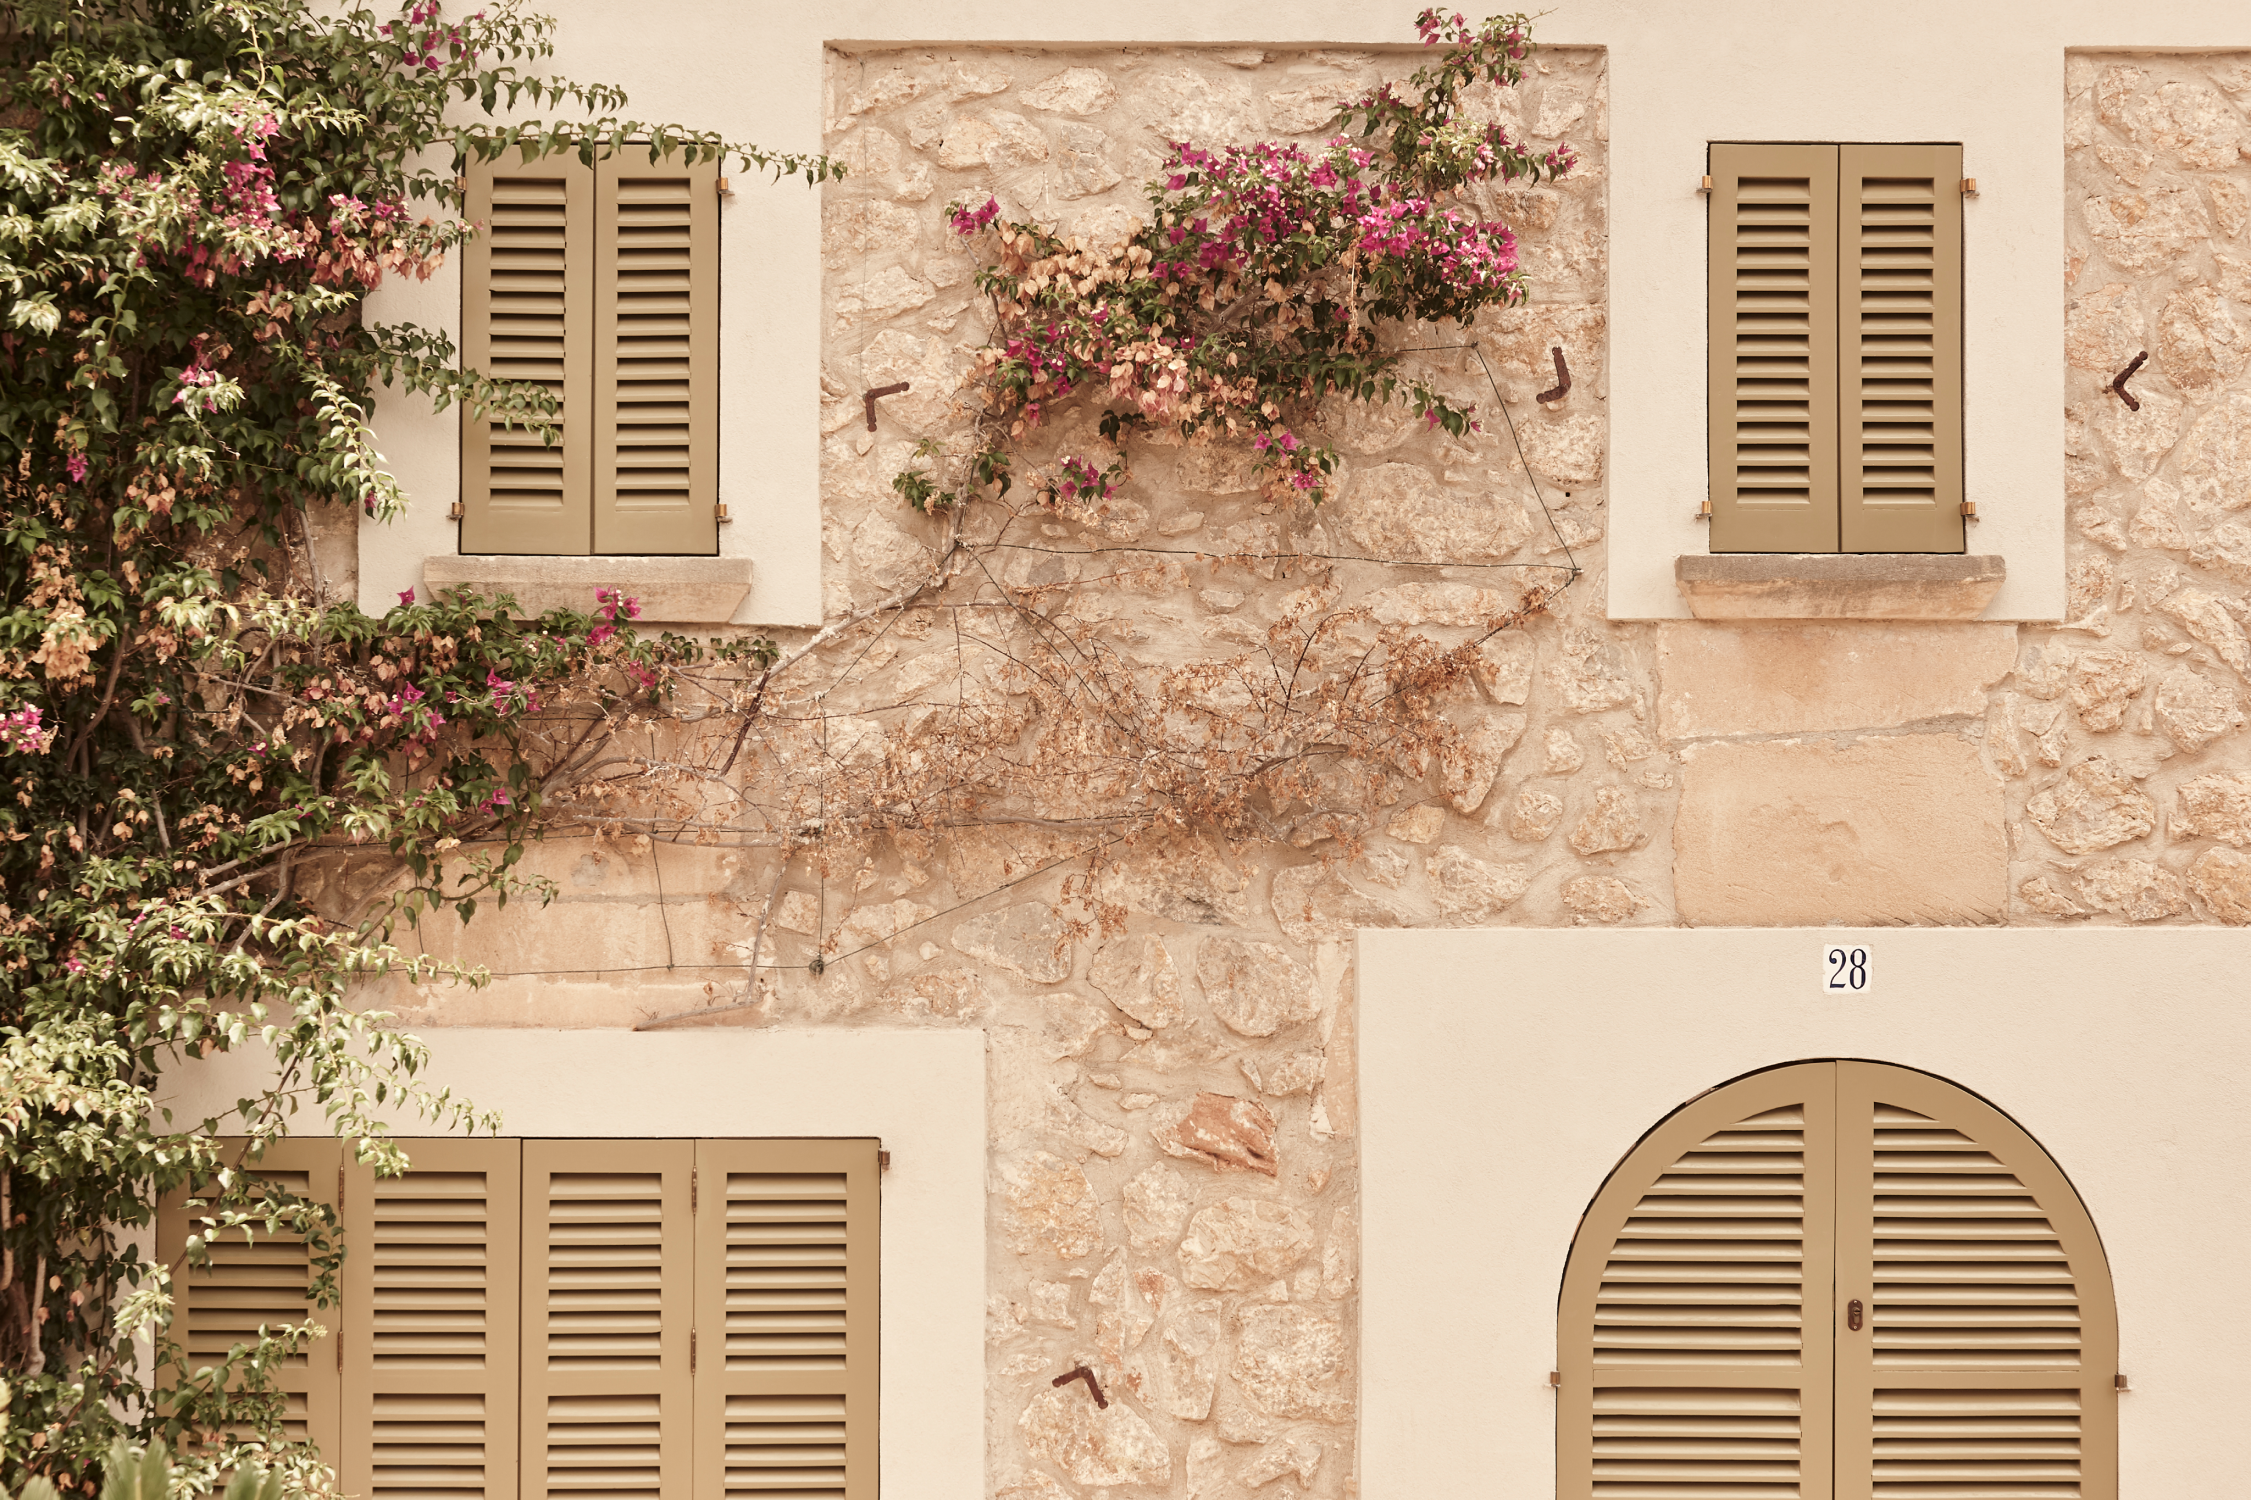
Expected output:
(430, 1353)
(1986, 1360)
(527, 314)
(786, 1293)
(255, 1280)
(656, 356)
(1901, 387)
(1694, 1343)
(1773, 348)
(608, 1297)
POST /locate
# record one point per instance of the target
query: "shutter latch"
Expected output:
(1852, 1315)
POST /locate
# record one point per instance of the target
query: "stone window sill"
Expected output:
(671, 590)
(1838, 586)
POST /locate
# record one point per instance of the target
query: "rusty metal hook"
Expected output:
(2118, 386)
(1101, 1402)
(1562, 380)
(869, 398)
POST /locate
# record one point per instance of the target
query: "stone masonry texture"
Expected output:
(1173, 1116)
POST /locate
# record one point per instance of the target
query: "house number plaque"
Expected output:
(1844, 971)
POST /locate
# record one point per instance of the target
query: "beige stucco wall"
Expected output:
(1660, 774)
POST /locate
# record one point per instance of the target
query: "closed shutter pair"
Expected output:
(562, 1318)
(1836, 348)
(1837, 1281)
(600, 283)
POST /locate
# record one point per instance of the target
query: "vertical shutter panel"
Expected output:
(431, 1285)
(656, 274)
(527, 302)
(1773, 348)
(1695, 1350)
(786, 1296)
(1901, 389)
(1987, 1364)
(608, 1298)
(259, 1280)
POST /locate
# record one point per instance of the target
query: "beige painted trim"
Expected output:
(1534, 1060)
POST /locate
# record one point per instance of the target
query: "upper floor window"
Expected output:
(1836, 348)
(602, 284)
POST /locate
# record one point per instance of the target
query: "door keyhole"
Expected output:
(1852, 1315)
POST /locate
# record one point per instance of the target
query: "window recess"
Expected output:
(1836, 348)
(600, 283)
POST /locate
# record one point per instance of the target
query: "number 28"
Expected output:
(1848, 968)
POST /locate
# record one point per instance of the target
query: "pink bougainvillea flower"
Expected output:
(406, 596)
(77, 467)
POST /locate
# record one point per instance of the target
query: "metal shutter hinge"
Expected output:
(1969, 187)
(723, 516)
(1704, 511)
(1705, 186)
(1555, 1377)
(1969, 510)
(883, 1161)
(2121, 1383)
(724, 190)
(455, 513)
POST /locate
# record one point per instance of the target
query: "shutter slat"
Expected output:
(788, 1230)
(656, 362)
(526, 315)
(1773, 348)
(1901, 256)
(1985, 1369)
(431, 1359)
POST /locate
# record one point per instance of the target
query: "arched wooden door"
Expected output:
(1837, 1281)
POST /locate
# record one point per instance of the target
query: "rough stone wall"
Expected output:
(1173, 1113)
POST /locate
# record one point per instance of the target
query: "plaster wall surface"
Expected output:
(1503, 1075)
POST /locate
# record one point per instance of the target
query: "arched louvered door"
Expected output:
(1837, 1281)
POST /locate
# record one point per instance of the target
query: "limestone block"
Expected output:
(1299, 1456)
(2215, 807)
(1239, 1243)
(1398, 511)
(1563, 752)
(1028, 1484)
(1156, 1206)
(1565, 451)
(1533, 815)
(2038, 893)
(1121, 1320)
(1138, 977)
(1458, 604)
(2146, 231)
(2215, 457)
(2134, 889)
(2103, 330)
(946, 994)
(1182, 105)
(2190, 122)
(1894, 828)
(1717, 678)
(2095, 806)
(1601, 898)
(2203, 616)
(2103, 685)
(1468, 763)
(1302, 111)
(1027, 939)
(1520, 341)
(1504, 668)
(1589, 677)
(1837, 586)
(1612, 824)
(2193, 710)
(886, 294)
(2221, 879)
(888, 91)
(2199, 346)
(1418, 824)
(1082, 164)
(1470, 891)
(1313, 904)
(1074, 91)
(1189, 1357)
(1224, 1131)
(1290, 1073)
(1049, 1203)
(974, 80)
(1289, 1362)
(1094, 1445)
(1255, 988)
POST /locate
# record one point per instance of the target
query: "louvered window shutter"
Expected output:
(430, 1356)
(1901, 384)
(1695, 1351)
(608, 1301)
(656, 356)
(256, 1280)
(1987, 1363)
(1773, 348)
(527, 314)
(786, 1288)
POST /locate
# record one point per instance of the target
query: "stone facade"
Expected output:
(1172, 1110)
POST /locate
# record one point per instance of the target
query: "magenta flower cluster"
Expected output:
(20, 733)
(422, 39)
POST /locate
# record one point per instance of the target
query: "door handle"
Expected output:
(1852, 1315)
